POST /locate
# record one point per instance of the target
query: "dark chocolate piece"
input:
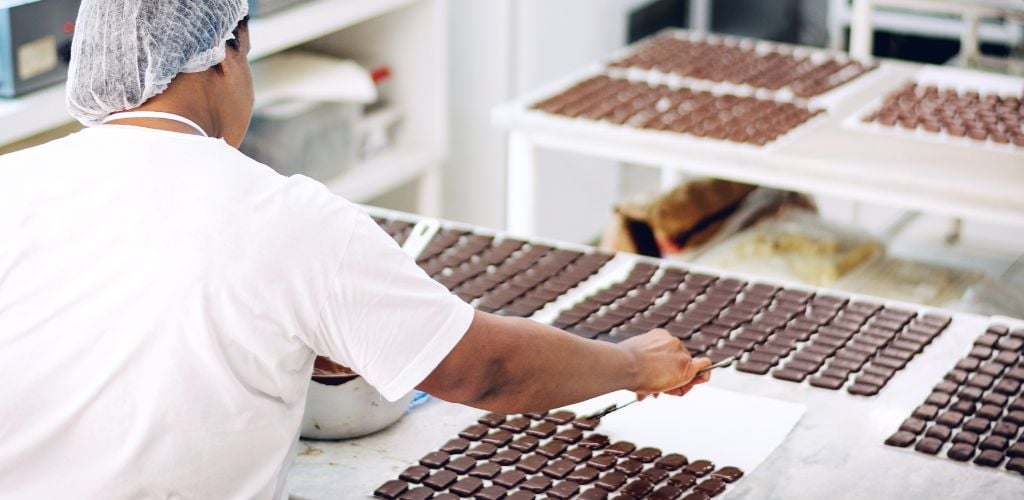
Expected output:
(961, 452)
(391, 489)
(578, 454)
(440, 479)
(603, 461)
(467, 486)
(646, 455)
(492, 419)
(509, 479)
(535, 415)
(914, 425)
(594, 441)
(507, 457)
(928, 445)
(454, 446)
(696, 495)
(542, 429)
(638, 488)
(419, 493)
(552, 449)
(485, 470)
(990, 458)
(620, 448)
(492, 492)
(414, 474)
(699, 468)
(672, 461)
(532, 464)
(583, 475)
(587, 424)
(570, 435)
(901, 439)
(594, 494)
(561, 417)
(629, 467)
(611, 481)
(728, 474)
(482, 451)
(474, 432)
(536, 484)
(564, 490)
(1016, 465)
(558, 469)
(654, 474)
(525, 444)
(522, 495)
(667, 492)
(711, 487)
(435, 459)
(683, 480)
(516, 425)
(461, 465)
(498, 438)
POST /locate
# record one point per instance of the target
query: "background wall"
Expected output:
(503, 48)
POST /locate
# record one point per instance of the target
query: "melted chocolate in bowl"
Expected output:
(328, 372)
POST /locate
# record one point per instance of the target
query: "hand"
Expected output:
(664, 365)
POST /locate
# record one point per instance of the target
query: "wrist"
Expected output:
(632, 377)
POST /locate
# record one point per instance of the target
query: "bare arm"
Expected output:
(515, 365)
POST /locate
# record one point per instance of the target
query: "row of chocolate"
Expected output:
(741, 62)
(521, 457)
(747, 120)
(976, 411)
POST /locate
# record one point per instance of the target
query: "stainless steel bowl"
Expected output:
(341, 405)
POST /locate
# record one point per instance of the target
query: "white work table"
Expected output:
(824, 156)
(835, 451)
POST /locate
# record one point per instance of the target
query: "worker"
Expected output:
(163, 297)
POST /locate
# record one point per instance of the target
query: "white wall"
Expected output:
(480, 77)
(503, 48)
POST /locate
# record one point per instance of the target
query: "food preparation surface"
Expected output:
(835, 449)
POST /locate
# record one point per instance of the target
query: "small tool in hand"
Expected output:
(614, 408)
(725, 362)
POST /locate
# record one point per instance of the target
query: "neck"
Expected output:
(182, 98)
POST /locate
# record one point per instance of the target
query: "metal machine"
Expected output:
(35, 43)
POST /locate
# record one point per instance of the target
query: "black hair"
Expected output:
(234, 43)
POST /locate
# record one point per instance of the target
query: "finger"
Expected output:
(678, 391)
(700, 364)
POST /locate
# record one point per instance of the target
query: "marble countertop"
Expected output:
(835, 451)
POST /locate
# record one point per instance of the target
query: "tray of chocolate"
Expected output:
(553, 455)
(804, 72)
(505, 275)
(975, 413)
(701, 114)
(971, 116)
(795, 335)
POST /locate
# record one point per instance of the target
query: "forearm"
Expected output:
(538, 367)
(513, 365)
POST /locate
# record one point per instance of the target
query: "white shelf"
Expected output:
(960, 179)
(381, 174)
(312, 20)
(44, 109)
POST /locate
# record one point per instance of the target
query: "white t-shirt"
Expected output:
(162, 298)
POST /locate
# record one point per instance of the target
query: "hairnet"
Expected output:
(127, 51)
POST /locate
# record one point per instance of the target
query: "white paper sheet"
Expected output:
(726, 427)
